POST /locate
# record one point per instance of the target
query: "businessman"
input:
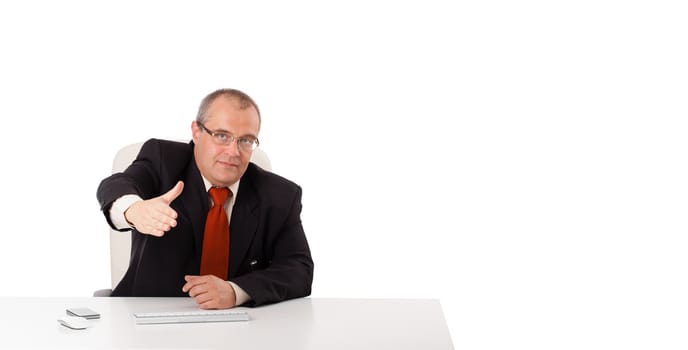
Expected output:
(204, 221)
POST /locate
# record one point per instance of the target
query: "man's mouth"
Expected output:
(227, 164)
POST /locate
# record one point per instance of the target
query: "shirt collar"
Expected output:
(232, 188)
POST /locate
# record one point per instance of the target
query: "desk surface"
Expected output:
(309, 323)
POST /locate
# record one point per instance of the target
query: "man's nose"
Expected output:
(233, 148)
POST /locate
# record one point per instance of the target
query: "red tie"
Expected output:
(215, 255)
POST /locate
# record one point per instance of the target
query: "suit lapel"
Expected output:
(194, 199)
(244, 222)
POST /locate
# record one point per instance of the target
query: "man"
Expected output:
(249, 250)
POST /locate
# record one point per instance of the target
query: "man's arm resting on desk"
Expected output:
(210, 292)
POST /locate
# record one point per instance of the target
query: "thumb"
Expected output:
(173, 193)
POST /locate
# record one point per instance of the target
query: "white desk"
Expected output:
(309, 323)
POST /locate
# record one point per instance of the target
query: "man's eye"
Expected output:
(245, 141)
(221, 137)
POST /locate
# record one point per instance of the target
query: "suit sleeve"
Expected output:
(140, 178)
(290, 272)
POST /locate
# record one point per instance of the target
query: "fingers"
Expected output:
(197, 288)
(210, 292)
(163, 217)
(196, 285)
(191, 281)
(208, 304)
(153, 216)
(174, 192)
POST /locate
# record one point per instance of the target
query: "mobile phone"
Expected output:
(83, 312)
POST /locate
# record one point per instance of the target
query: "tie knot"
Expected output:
(219, 195)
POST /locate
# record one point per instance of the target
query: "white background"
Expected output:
(524, 162)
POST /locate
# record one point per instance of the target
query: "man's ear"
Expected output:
(195, 129)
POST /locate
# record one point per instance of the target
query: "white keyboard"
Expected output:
(190, 316)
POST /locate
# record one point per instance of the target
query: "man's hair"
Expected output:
(245, 101)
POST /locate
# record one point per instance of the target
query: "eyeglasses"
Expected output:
(246, 143)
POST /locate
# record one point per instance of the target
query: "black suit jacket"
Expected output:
(269, 255)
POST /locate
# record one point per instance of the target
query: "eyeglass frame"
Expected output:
(254, 143)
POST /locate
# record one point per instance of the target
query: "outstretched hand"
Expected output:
(155, 216)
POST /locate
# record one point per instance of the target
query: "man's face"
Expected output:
(223, 165)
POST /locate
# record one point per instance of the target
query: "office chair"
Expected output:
(120, 242)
